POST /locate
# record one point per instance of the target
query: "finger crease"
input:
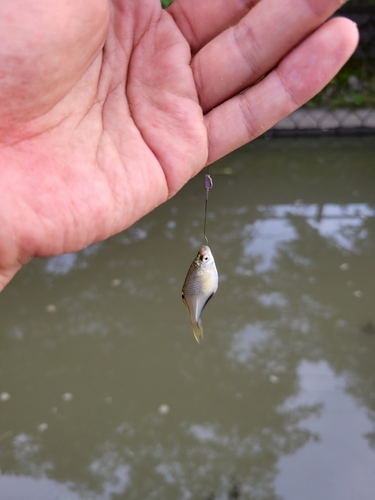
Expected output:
(189, 24)
(288, 91)
(247, 45)
(197, 75)
(249, 4)
(247, 115)
(313, 8)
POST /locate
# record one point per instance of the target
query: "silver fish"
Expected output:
(200, 284)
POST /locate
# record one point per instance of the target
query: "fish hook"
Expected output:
(208, 184)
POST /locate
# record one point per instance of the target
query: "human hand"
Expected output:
(108, 108)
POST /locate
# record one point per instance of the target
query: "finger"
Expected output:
(241, 55)
(299, 76)
(202, 20)
(7, 274)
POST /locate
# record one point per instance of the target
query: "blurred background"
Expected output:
(105, 394)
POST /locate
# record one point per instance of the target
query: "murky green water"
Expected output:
(104, 393)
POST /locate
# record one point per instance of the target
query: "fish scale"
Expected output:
(194, 286)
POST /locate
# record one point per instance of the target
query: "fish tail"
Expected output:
(198, 331)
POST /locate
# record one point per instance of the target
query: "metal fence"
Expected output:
(323, 121)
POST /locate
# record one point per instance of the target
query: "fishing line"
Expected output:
(208, 183)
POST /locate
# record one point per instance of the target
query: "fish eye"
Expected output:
(205, 258)
(183, 295)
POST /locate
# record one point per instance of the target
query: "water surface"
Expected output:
(105, 395)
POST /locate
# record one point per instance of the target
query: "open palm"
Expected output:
(108, 108)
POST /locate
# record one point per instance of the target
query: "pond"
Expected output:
(105, 394)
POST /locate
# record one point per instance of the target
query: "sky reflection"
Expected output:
(340, 463)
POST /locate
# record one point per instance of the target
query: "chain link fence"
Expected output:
(319, 121)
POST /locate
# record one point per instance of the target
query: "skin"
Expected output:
(107, 108)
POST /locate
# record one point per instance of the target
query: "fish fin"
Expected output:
(207, 301)
(198, 331)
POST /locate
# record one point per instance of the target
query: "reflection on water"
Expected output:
(104, 394)
(29, 487)
(341, 464)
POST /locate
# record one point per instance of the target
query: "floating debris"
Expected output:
(4, 396)
(368, 328)
(108, 400)
(6, 435)
(51, 308)
(274, 379)
(116, 282)
(358, 293)
(42, 427)
(248, 272)
(345, 266)
(235, 491)
(67, 396)
(163, 409)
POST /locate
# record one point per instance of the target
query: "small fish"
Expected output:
(200, 285)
